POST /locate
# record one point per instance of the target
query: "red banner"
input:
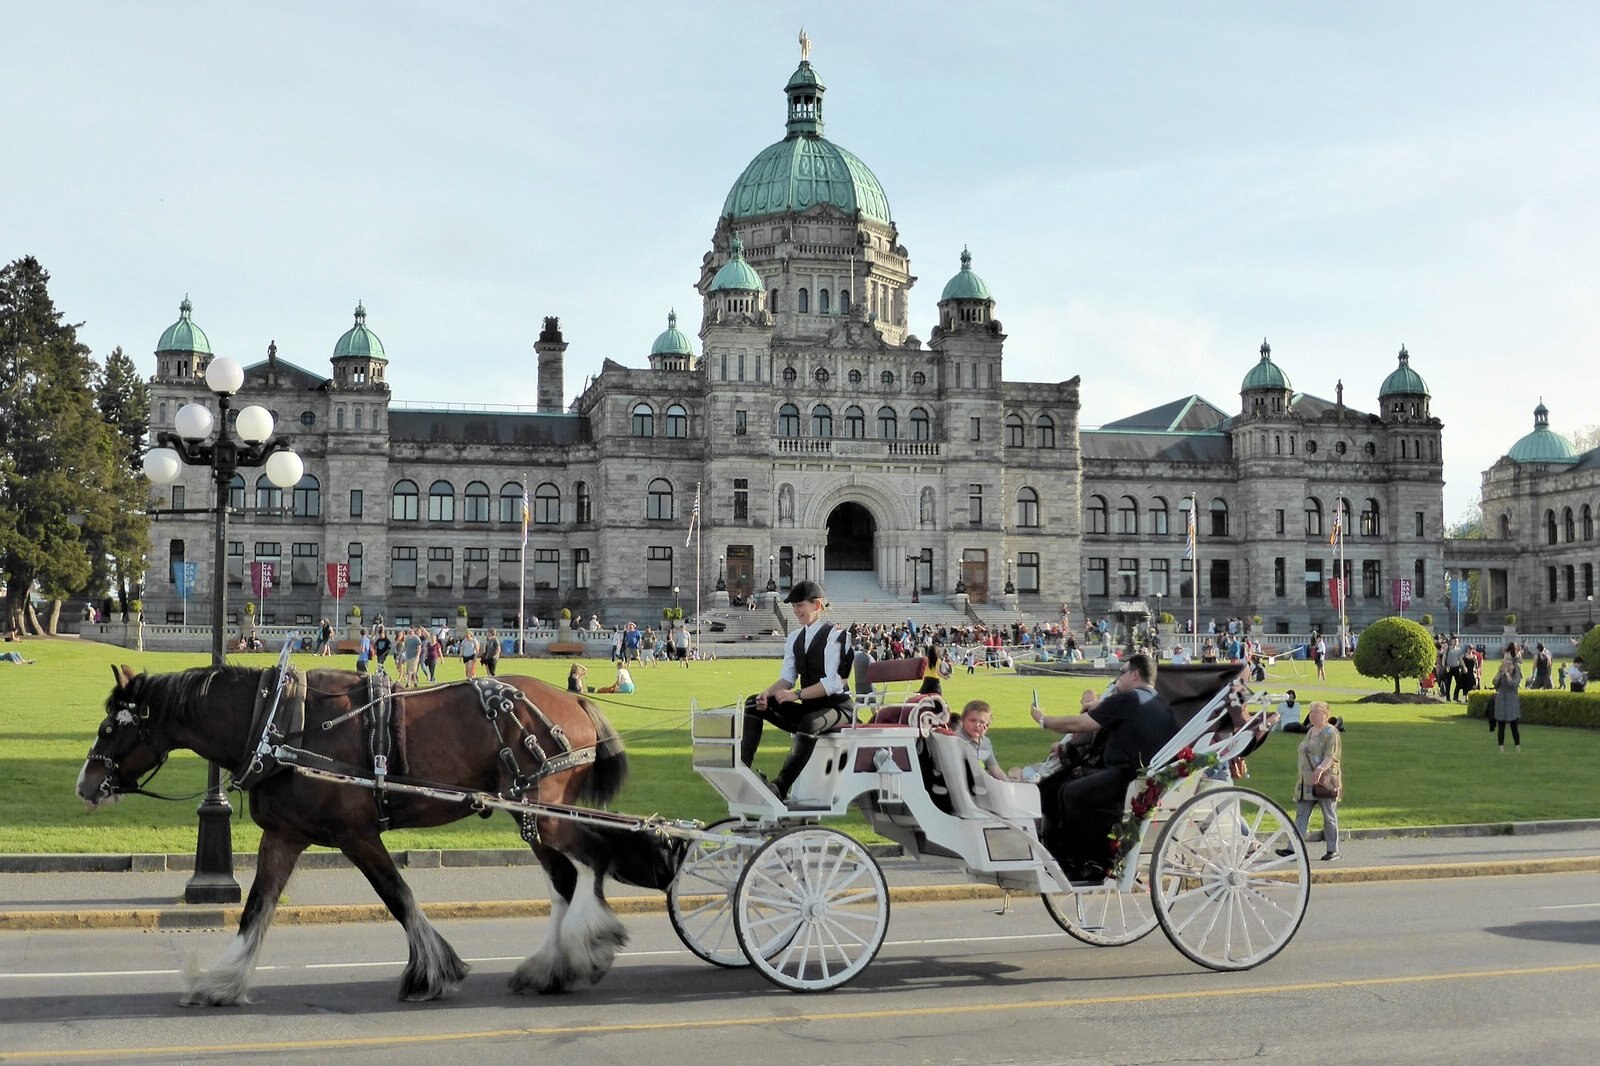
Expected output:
(338, 579)
(261, 577)
(1400, 593)
(1335, 593)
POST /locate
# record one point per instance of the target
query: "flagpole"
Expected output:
(522, 578)
(699, 533)
(1194, 575)
(1344, 585)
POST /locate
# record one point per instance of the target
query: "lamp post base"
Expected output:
(213, 880)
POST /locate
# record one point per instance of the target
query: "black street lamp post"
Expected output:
(772, 585)
(1590, 598)
(911, 564)
(722, 582)
(1011, 589)
(213, 880)
(807, 557)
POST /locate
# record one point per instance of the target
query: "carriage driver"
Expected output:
(819, 659)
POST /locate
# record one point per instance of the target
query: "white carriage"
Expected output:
(808, 906)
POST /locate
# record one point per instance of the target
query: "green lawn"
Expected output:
(1404, 765)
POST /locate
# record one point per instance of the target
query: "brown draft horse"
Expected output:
(448, 739)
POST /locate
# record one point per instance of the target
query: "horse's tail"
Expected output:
(610, 770)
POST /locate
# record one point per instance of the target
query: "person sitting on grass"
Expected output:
(575, 677)
(623, 684)
(16, 657)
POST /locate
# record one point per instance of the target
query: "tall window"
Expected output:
(546, 568)
(1551, 579)
(511, 503)
(888, 423)
(1015, 433)
(236, 493)
(308, 498)
(1570, 572)
(822, 421)
(303, 564)
(1027, 571)
(1158, 517)
(175, 559)
(741, 499)
(1419, 582)
(269, 497)
(1027, 508)
(236, 562)
(644, 420)
(1219, 518)
(1313, 517)
(822, 302)
(1220, 579)
(921, 427)
(1128, 516)
(658, 501)
(1569, 525)
(1370, 526)
(356, 503)
(1588, 523)
(678, 420)
(441, 502)
(1095, 515)
(1280, 581)
(354, 554)
(855, 422)
(580, 568)
(658, 566)
(475, 568)
(1313, 579)
(975, 504)
(403, 568)
(802, 302)
(1045, 429)
(1098, 573)
(547, 504)
(788, 420)
(1160, 577)
(1128, 578)
(510, 567)
(1371, 578)
(475, 502)
(582, 502)
(441, 568)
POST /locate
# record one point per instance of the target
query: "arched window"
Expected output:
(236, 492)
(772, 302)
(1588, 523)
(844, 301)
(1313, 517)
(921, 427)
(1505, 527)
(822, 421)
(585, 507)
(1014, 431)
(338, 418)
(1342, 505)
(1371, 524)
(511, 502)
(1046, 430)
(1095, 515)
(1158, 516)
(1027, 509)
(886, 379)
(358, 418)
(403, 501)
(1277, 444)
(644, 420)
(855, 422)
(475, 503)
(888, 423)
(1549, 526)
(441, 502)
(677, 421)
(547, 504)
(918, 379)
(308, 498)
(788, 420)
(822, 302)
(790, 375)
(803, 302)
(269, 497)
(658, 504)
(1128, 516)
(854, 377)
(1219, 517)
(1569, 525)
(1403, 454)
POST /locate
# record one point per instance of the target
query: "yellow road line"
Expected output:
(785, 1019)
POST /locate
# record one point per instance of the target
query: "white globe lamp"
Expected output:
(254, 424)
(224, 376)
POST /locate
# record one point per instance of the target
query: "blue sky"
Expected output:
(1147, 189)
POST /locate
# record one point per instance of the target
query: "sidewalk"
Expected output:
(148, 895)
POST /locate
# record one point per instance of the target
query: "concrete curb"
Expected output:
(212, 918)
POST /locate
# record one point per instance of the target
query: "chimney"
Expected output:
(552, 356)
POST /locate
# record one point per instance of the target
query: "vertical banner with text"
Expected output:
(1400, 593)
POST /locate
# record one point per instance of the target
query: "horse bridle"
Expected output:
(131, 713)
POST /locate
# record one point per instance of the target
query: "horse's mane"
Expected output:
(175, 698)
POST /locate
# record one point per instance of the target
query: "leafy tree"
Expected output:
(118, 555)
(58, 457)
(1589, 652)
(1394, 647)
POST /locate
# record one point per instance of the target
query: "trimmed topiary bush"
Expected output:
(1547, 707)
(1394, 647)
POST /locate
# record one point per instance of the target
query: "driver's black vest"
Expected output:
(812, 661)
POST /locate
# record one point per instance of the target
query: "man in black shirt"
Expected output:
(1136, 723)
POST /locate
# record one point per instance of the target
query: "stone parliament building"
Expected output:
(824, 439)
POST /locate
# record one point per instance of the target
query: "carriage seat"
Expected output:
(892, 699)
(973, 793)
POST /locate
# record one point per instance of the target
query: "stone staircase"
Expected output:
(855, 597)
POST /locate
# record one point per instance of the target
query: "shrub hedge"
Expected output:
(1547, 707)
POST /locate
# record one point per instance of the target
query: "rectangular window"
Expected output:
(580, 564)
(975, 504)
(510, 568)
(722, 364)
(1278, 520)
(355, 503)
(353, 554)
(1314, 579)
(977, 428)
(1551, 572)
(403, 568)
(1371, 578)
(1219, 580)
(658, 568)
(741, 366)
(1128, 578)
(303, 568)
(175, 559)
(177, 497)
(475, 568)
(1419, 582)
(1027, 571)
(546, 568)
(1098, 572)
(741, 499)
(270, 551)
(441, 568)
(1160, 577)
(1186, 582)
(1421, 524)
(741, 421)
(1279, 575)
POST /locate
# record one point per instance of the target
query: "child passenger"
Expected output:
(975, 719)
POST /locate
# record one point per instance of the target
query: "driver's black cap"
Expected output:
(804, 590)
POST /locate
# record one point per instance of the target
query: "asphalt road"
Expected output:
(1473, 970)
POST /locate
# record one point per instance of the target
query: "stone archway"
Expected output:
(852, 532)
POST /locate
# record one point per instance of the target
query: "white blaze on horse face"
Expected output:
(125, 717)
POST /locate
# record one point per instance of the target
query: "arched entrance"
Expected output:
(851, 531)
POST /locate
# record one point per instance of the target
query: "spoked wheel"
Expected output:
(1222, 893)
(711, 868)
(812, 909)
(1102, 916)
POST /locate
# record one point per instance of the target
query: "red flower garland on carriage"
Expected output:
(1144, 803)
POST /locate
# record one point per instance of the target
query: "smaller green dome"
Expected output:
(1265, 374)
(1403, 381)
(183, 335)
(358, 340)
(1542, 445)
(965, 285)
(672, 341)
(736, 275)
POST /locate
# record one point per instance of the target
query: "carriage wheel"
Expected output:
(711, 867)
(1102, 916)
(1222, 893)
(811, 909)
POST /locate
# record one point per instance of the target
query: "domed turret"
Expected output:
(736, 275)
(183, 335)
(965, 285)
(965, 299)
(671, 350)
(1543, 445)
(358, 358)
(1266, 387)
(1403, 395)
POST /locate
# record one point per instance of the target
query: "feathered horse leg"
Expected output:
(228, 982)
(434, 969)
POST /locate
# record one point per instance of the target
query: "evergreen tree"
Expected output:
(118, 556)
(58, 457)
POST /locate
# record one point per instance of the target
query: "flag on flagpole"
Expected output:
(1338, 524)
(694, 516)
(1189, 533)
(526, 514)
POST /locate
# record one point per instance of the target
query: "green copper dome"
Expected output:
(805, 168)
(358, 340)
(736, 275)
(672, 341)
(183, 335)
(965, 285)
(1542, 445)
(1265, 374)
(1403, 381)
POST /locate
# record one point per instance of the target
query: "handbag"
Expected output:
(1327, 788)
